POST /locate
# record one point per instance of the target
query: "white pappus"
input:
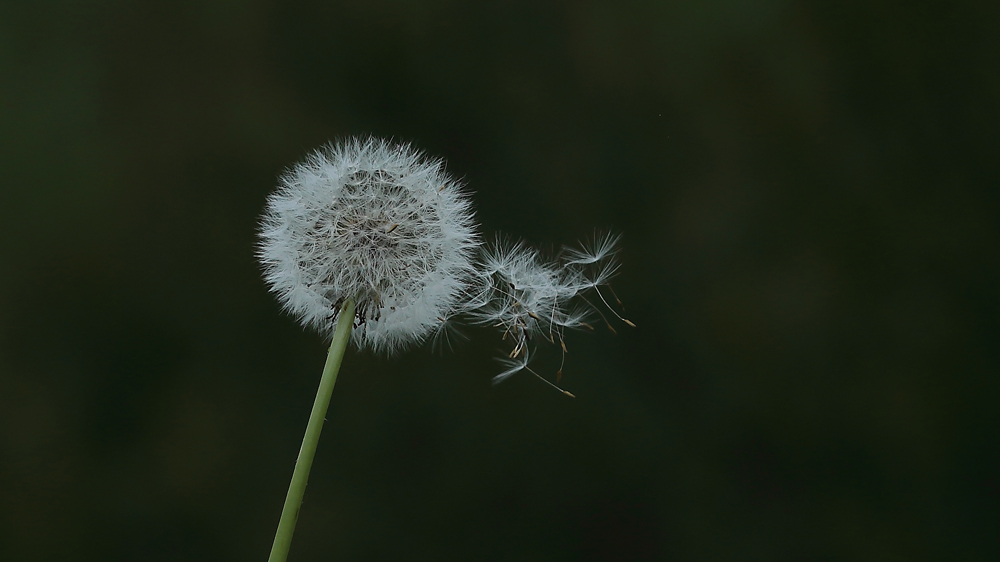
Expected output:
(375, 222)
(531, 299)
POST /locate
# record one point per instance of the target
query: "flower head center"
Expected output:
(386, 231)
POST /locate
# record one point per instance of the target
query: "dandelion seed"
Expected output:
(589, 252)
(526, 295)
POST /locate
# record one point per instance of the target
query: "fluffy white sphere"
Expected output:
(375, 222)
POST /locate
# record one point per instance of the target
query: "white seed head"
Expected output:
(378, 223)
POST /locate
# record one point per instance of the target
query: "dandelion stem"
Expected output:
(300, 476)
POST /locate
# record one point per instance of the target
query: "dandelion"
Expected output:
(377, 224)
(370, 238)
(372, 242)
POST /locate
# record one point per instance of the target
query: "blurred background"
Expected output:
(808, 197)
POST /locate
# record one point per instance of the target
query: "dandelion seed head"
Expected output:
(375, 222)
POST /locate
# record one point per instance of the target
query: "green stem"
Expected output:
(290, 512)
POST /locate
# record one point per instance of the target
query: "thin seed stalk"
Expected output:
(300, 476)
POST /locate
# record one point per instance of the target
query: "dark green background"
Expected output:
(809, 199)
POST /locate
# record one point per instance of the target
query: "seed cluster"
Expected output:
(377, 223)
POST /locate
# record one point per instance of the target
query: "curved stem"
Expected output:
(290, 512)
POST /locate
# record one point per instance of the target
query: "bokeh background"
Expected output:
(808, 197)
